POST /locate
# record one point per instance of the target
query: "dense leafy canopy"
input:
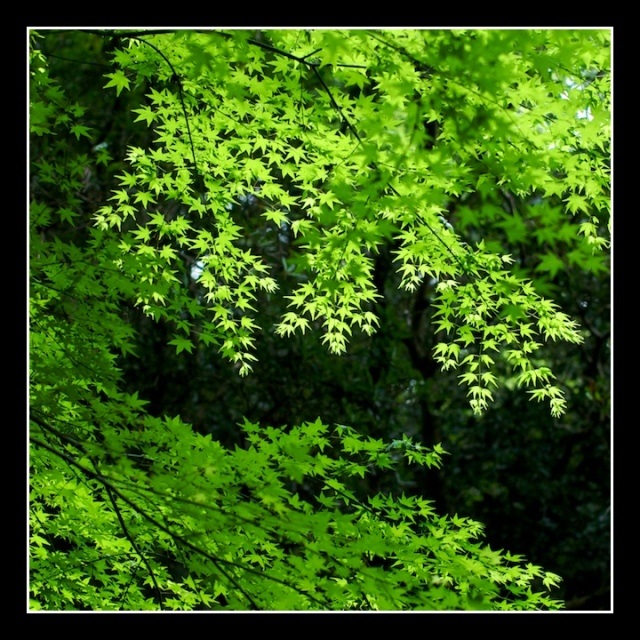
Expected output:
(270, 176)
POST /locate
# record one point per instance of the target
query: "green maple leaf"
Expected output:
(146, 113)
(80, 130)
(551, 263)
(182, 344)
(118, 80)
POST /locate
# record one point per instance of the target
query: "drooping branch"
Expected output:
(217, 562)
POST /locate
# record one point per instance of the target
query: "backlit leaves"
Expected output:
(336, 167)
(249, 538)
(338, 144)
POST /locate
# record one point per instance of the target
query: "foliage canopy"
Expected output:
(281, 163)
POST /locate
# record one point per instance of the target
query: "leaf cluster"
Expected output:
(339, 146)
